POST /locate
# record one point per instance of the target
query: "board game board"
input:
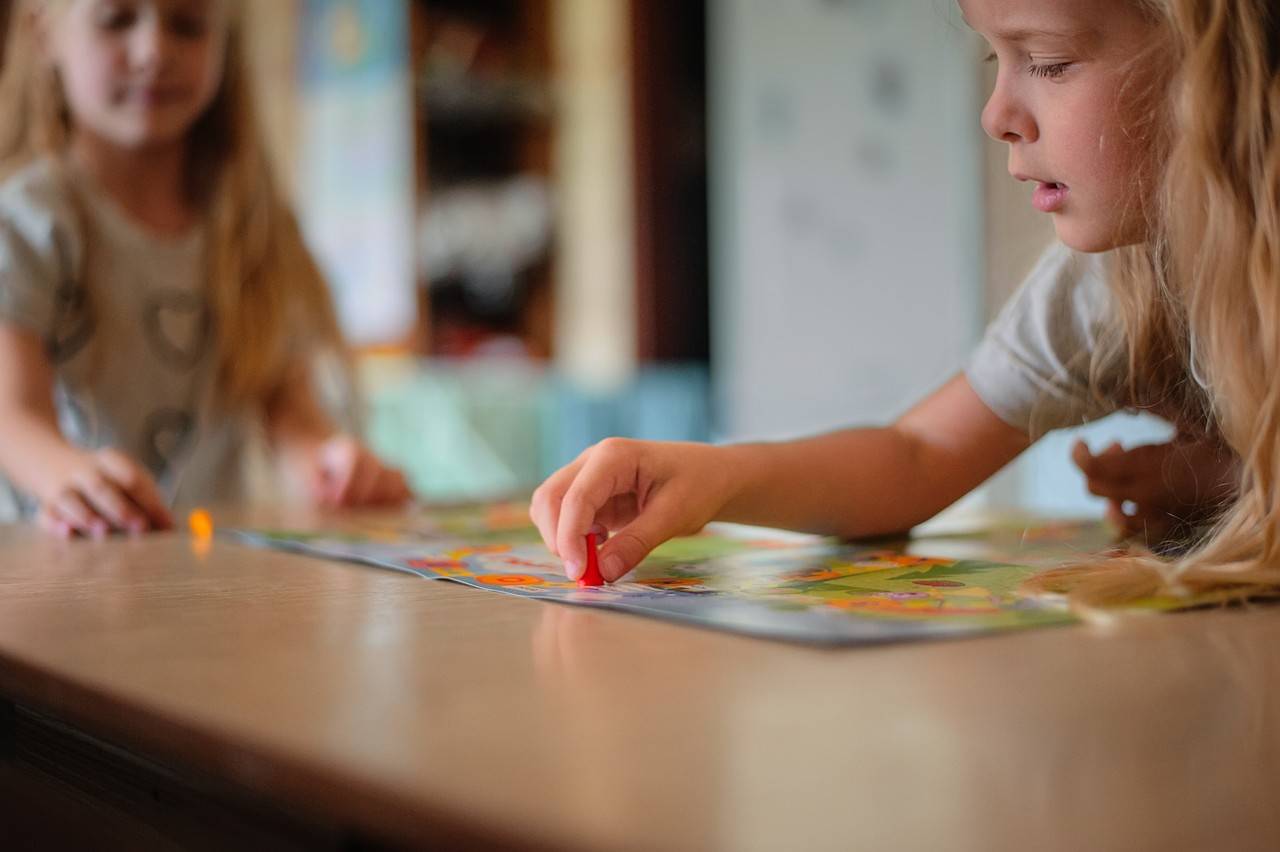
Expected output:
(761, 583)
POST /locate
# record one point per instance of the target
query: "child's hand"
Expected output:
(1159, 490)
(648, 492)
(343, 472)
(101, 492)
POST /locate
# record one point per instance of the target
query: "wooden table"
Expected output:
(154, 686)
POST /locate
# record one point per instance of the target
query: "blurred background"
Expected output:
(546, 222)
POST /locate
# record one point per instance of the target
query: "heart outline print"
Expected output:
(178, 327)
(168, 432)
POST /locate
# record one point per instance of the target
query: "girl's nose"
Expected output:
(149, 45)
(1006, 119)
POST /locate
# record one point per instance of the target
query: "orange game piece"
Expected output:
(200, 522)
(591, 577)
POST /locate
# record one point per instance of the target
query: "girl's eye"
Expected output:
(1051, 71)
(115, 18)
(189, 26)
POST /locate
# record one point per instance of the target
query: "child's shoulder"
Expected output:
(37, 203)
(40, 183)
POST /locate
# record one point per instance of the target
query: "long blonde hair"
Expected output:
(268, 300)
(1200, 300)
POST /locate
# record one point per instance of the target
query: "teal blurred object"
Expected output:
(474, 430)
(663, 403)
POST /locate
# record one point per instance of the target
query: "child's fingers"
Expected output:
(146, 494)
(318, 486)
(1099, 464)
(1116, 515)
(392, 488)
(1108, 488)
(75, 509)
(107, 500)
(50, 521)
(398, 489)
(1082, 457)
(1102, 473)
(544, 509)
(610, 470)
(363, 484)
(1144, 463)
(628, 547)
(616, 513)
(139, 487)
(71, 508)
(1140, 476)
(1093, 466)
(339, 465)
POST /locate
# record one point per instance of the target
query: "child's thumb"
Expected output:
(1081, 455)
(629, 546)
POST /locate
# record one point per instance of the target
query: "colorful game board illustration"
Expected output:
(761, 583)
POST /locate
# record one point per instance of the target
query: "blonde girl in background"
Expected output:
(156, 298)
(1151, 129)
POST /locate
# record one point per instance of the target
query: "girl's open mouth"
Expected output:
(1050, 197)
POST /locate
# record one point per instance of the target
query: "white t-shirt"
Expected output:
(1033, 365)
(127, 326)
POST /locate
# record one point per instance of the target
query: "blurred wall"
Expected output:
(847, 209)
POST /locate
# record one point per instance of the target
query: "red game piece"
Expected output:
(591, 577)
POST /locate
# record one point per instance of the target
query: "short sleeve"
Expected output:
(1034, 363)
(40, 249)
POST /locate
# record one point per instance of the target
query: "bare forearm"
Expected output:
(33, 452)
(864, 482)
(854, 483)
(295, 420)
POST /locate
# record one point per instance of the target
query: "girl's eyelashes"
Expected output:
(113, 17)
(1048, 71)
(1044, 70)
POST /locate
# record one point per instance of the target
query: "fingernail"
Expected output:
(612, 567)
(572, 570)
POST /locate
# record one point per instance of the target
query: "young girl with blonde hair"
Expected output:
(1152, 131)
(156, 297)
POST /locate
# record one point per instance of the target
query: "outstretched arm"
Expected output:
(853, 483)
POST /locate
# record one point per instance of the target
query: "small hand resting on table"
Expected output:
(92, 493)
(336, 469)
(343, 472)
(1160, 491)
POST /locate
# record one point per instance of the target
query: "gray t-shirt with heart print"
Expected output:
(126, 323)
